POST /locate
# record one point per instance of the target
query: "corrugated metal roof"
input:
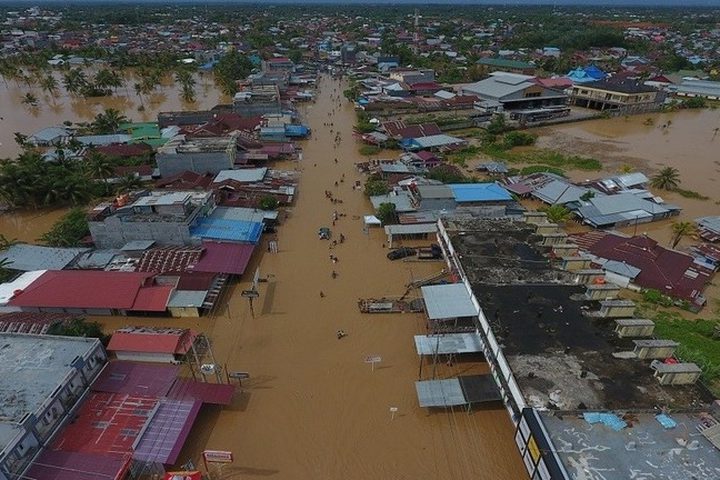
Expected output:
(401, 200)
(26, 258)
(497, 87)
(432, 141)
(187, 298)
(244, 175)
(231, 230)
(560, 192)
(448, 301)
(479, 192)
(230, 258)
(448, 343)
(411, 228)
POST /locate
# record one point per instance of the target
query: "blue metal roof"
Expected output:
(231, 230)
(479, 192)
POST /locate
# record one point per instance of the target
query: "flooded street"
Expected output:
(312, 408)
(16, 117)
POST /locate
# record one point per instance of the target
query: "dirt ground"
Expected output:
(312, 408)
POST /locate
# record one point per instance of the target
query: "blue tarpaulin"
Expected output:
(608, 419)
(666, 421)
(296, 131)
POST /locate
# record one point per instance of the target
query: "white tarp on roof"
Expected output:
(371, 220)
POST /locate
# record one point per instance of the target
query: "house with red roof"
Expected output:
(148, 344)
(639, 263)
(93, 292)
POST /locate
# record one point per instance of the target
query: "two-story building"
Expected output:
(609, 94)
(199, 155)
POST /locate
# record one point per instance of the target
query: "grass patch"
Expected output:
(543, 157)
(542, 168)
(461, 156)
(696, 343)
(368, 150)
(691, 194)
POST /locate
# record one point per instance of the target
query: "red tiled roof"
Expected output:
(168, 259)
(152, 342)
(141, 170)
(559, 82)
(36, 323)
(84, 289)
(186, 180)
(125, 149)
(425, 86)
(669, 271)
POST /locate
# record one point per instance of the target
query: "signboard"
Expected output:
(239, 375)
(373, 359)
(533, 449)
(250, 294)
(218, 456)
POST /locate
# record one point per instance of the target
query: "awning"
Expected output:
(167, 431)
(463, 390)
(448, 301)
(448, 343)
(214, 393)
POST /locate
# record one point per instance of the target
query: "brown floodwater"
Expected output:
(312, 408)
(16, 117)
(687, 140)
(28, 225)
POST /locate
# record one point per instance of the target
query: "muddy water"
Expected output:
(28, 226)
(686, 140)
(16, 117)
(313, 409)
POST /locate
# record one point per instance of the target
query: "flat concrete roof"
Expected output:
(31, 367)
(647, 450)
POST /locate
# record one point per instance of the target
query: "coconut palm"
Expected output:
(666, 179)
(75, 81)
(29, 99)
(128, 183)
(557, 214)
(97, 166)
(108, 121)
(680, 230)
(50, 86)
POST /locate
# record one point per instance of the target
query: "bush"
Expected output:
(541, 168)
(447, 174)
(368, 150)
(386, 213)
(497, 125)
(657, 298)
(79, 327)
(68, 231)
(268, 202)
(375, 187)
(518, 139)
(695, 102)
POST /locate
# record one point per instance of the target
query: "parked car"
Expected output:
(399, 253)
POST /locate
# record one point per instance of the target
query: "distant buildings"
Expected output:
(257, 101)
(490, 65)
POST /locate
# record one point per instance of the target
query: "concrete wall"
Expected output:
(113, 233)
(145, 357)
(201, 162)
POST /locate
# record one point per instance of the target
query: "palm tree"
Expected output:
(666, 179)
(29, 99)
(49, 86)
(680, 230)
(75, 81)
(97, 166)
(108, 121)
(6, 243)
(557, 214)
(128, 183)
(6, 272)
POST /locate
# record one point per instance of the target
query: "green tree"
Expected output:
(29, 99)
(680, 230)
(68, 231)
(557, 214)
(128, 183)
(376, 186)
(109, 121)
(97, 166)
(49, 86)
(231, 67)
(668, 178)
(79, 327)
(497, 125)
(386, 213)
(268, 202)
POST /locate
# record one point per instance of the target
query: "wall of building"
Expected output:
(145, 357)
(201, 162)
(113, 233)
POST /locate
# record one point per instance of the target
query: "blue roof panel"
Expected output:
(230, 230)
(479, 192)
